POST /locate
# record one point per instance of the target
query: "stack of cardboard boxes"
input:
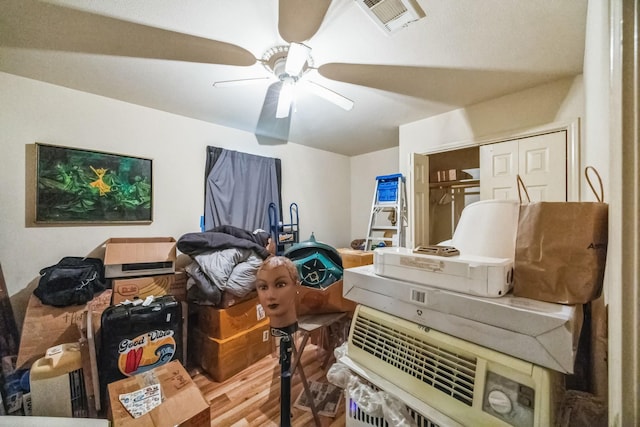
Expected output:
(137, 268)
(224, 341)
(140, 267)
(46, 326)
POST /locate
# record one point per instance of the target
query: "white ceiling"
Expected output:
(462, 52)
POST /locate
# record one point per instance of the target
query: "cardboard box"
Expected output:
(325, 300)
(448, 175)
(141, 287)
(139, 256)
(542, 333)
(229, 299)
(183, 404)
(223, 358)
(46, 326)
(355, 258)
(222, 323)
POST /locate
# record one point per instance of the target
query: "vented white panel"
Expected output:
(391, 15)
(386, 10)
(356, 417)
(458, 379)
(448, 372)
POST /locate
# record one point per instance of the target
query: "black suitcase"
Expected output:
(137, 338)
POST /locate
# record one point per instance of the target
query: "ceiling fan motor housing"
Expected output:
(275, 59)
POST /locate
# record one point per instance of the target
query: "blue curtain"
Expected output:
(239, 188)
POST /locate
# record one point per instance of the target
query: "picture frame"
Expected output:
(80, 186)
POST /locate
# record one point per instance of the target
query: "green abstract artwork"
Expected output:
(82, 186)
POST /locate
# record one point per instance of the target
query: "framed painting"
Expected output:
(91, 187)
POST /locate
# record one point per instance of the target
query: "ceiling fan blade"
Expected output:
(37, 25)
(299, 20)
(270, 129)
(240, 82)
(446, 85)
(326, 93)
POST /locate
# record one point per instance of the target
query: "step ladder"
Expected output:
(388, 220)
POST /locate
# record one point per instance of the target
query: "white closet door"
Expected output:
(498, 170)
(543, 166)
(540, 160)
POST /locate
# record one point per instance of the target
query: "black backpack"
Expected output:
(72, 281)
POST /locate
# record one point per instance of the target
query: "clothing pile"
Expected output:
(225, 259)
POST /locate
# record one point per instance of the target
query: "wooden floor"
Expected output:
(252, 397)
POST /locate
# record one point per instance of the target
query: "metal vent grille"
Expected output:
(357, 417)
(448, 372)
(386, 10)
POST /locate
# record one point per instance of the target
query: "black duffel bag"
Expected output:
(72, 281)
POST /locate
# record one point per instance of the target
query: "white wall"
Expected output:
(33, 111)
(559, 101)
(364, 169)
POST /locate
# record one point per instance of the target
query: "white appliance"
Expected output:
(485, 238)
(470, 274)
(470, 384)
(542, 333)
(57, 383)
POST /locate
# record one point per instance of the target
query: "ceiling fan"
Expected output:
(288, 65)
(40, 25)
(74, 30)
(298, 21)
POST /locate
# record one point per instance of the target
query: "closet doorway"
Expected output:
(445, 180)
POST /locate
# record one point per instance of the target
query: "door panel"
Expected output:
(420, 212)
(540, 160)
(543, 166)
(498, 170)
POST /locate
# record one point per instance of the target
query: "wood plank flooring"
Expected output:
(252, 397)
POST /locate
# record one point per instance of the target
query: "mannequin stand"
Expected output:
(287, 347)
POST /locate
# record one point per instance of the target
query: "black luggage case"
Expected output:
(137, 338)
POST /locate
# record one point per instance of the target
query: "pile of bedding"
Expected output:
(225, 260)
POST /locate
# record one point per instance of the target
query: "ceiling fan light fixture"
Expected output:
(297, 58)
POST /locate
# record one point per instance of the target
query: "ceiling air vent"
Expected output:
(391, 15)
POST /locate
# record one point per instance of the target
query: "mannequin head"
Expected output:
(277, 285)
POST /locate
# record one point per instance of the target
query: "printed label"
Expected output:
(260, 313)
(422, 263)
(146, 351)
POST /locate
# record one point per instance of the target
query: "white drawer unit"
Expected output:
(465, 382)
